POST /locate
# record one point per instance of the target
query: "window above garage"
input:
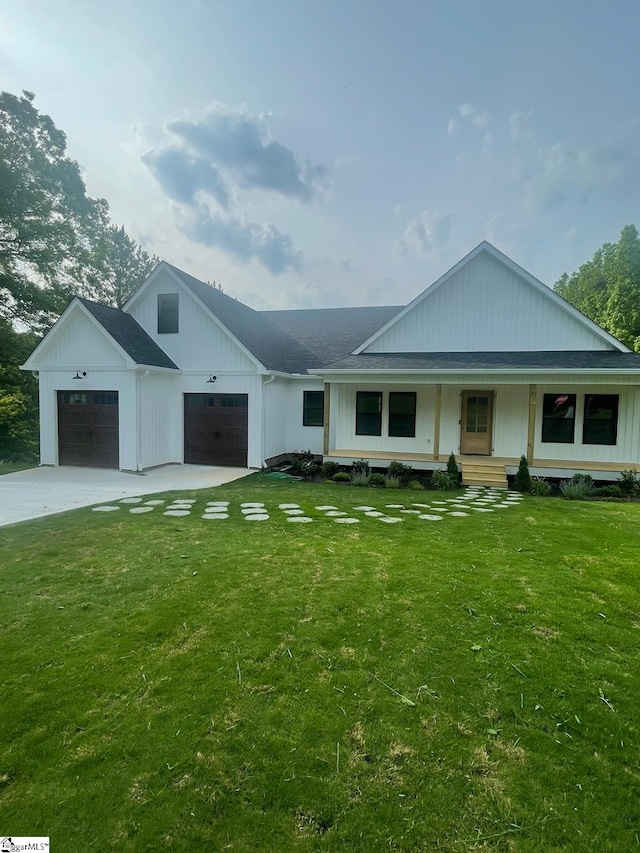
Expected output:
(167, 313)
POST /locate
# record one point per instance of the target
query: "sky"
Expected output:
(343, 152)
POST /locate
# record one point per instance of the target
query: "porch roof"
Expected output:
(564, 360)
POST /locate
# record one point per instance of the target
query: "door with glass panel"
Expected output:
(476, 424)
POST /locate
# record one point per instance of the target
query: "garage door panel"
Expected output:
(88, 428)
(216, 429)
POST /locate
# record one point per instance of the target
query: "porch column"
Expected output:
(531, 432)
(327, 415)
(436, 425)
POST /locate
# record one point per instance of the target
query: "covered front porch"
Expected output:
(563, 426)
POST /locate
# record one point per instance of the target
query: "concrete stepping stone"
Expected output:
(105, 508)
(411, 511)
(431, 517)
(184, 501)
(334, 513)
(389, 519)
(131, 501)
(481, 509)
(293, 512)
(328, 506)
(394, 506)
(214, 516)
(290, 506)
(153, 503)
(256, 517)
(347, 520)
(254, 504)
(253, 510)
(302, 519)
(374, 513)
(177, 513)
(217, 503)
(141, 509)
(364, 508)
(460, 514)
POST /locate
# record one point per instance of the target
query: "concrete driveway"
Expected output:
(46, 491)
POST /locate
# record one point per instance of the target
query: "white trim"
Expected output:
(74, 305)
(547, 292)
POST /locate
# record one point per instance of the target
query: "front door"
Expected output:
(476, 425)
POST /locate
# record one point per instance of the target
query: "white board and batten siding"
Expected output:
(79, 343)
(486, 307)
(284, 429)
(200, 343)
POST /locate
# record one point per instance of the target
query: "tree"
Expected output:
(121, 265)
(18, 397)
(48, 224)
(607, 288)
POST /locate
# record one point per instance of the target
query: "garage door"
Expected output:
(88, 428)
(216, 429)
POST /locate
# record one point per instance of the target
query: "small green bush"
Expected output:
(578, 488)
(452, 469)
(341, 477)
(359, 479)
(360, 466)
(540, 487)
(329, 469)
(397, 469)
(377, 480)
(629, 482)
(416, 485)
(392, 482)
(523, 478)
(612, 491)
(441, 481)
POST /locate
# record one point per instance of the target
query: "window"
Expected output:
(600, 425)
(559, 418)
(71, 399)
(105, 398)
(402, 413)
(167, 313)
(313, 408)
(369, 413)
(477, 414)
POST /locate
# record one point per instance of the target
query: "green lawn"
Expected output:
(179, 684)
(10, 467)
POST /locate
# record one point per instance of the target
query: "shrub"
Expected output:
(612, 491)
(377, 480)
(360, 466)
(441, 481)
(392, 482)
(308, 469)
(397, 469)
(416, 485)
(540, 487)
(523, 478)
(359, 479)
(300, 461)
(579, 487)
(341, 477)
(452, 469)
(629, 482)
(329, 469)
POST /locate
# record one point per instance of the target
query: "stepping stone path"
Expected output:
(473, 500)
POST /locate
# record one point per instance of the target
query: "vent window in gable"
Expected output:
(167, 313)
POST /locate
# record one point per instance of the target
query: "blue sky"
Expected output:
(343, 153)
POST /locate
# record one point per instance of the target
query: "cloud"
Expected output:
(519, 124)
(451, 126)
(243, 240)
(425, 234)
(474, 116)
(181, 176)
(240, 143)
(563, 173)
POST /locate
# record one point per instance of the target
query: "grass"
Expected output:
(180, 684)
(10, 467)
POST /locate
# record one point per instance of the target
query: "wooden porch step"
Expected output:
(483, 474)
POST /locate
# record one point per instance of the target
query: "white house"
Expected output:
(487, 362)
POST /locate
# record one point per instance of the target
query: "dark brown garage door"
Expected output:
(216, 429)
(88, 428)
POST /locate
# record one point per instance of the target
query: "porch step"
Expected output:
(483, 474)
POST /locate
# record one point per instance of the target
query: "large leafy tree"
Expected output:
(18, 396)
(607, 288)
(121, 265)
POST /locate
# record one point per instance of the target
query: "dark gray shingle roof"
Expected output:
(552, 360)
(331, 333)
(270, 344)
(127, 332)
